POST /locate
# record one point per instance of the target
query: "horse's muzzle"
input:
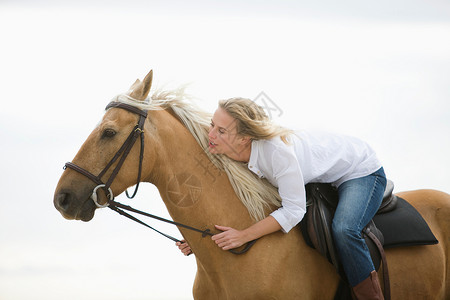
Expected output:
(70, 208)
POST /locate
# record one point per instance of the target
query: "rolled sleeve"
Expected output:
(287, 219)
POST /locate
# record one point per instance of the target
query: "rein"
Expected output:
(119, 208)
(123, 152)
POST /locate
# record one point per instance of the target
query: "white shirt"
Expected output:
(310, 157)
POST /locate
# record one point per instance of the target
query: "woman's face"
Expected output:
(223, 136)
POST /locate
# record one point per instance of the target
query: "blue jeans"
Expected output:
(359, 200)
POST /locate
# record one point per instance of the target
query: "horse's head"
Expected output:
(88, 170)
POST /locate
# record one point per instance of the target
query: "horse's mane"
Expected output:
(257, 194)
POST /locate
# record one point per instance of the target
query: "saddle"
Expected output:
(322, 200)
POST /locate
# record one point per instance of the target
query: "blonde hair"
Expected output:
(252, 120)
(257, 194)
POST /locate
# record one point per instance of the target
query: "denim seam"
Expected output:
(369, 200)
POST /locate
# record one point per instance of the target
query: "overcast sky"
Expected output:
(379, 70)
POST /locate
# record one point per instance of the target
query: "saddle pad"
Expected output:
(404, 226)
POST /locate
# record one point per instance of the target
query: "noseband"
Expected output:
(122, 153)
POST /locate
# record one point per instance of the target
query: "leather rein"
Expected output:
(122, 153)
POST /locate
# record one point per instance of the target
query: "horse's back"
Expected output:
(424, 271)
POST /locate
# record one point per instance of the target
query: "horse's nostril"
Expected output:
(62, 201)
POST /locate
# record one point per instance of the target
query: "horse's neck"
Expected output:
(188, 180)
(195, 191)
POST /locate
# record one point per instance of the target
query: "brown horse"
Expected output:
(196, 192)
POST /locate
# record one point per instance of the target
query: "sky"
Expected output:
(375, 70)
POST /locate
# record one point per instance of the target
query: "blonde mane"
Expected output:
(258, 195)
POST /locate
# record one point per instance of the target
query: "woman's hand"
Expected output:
(230, 238)
(184, 247)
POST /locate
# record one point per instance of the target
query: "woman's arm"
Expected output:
(231, 238)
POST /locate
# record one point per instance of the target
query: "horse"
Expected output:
(198, 192)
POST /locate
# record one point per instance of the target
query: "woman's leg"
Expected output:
(359, 200)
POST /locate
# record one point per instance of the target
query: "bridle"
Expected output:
(122, 153)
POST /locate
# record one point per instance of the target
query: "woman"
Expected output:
(241, 130)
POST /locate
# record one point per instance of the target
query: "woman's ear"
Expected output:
(246, 140)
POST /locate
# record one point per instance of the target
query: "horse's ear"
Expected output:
(134, 85)
(139, 90)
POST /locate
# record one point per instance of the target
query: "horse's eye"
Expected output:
(109, 133)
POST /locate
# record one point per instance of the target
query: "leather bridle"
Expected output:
(122, 153)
